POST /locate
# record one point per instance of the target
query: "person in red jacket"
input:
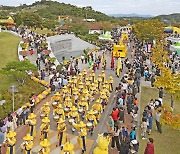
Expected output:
(150, 147)
(115, 113)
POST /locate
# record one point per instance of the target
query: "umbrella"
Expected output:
(23, 53)
(46, 52)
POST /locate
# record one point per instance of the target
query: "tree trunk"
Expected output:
(172, 101)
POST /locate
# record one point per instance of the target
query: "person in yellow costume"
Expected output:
(104, 99)
(80, 87)
(27, 145)
(61, 132)
(75, 81)
(31, 121)
(75, 96)
(56, 97)
(105, 90)
(44, 147)
(93, 89)
(59, 111)
(45, 109)
(103, 144)
(106, 86)
(84, 73)
(45, 128)
(110, 82)
(90, 117)
(87, 96)
(67, 148)
(97, 108)
(65, 91)
(99, 81)
(67, 105)
(118, 69)
(88, 83)
(93, 76)
(10, 142)
(83, 107)
(81, 127)
(96, 84)
(74, 115)
(103, 76)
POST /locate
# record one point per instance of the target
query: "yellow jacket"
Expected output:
(83, 104)
(74, 114)
(91, 117)
(97, 107)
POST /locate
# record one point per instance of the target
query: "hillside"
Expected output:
(52, 9)
(170, 19)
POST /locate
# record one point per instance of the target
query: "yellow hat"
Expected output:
(70, 81)
(46, 120)
(61, 120)
(11, 134)
(75, 89)
(65, 87)
(80, 74)
(47, 104)
(68, 146)
(102, 71)
(85, 91)
(28, 137)
(82, 98)
(59, 106)
(32, 116)
(45, 143)
(73, 108)
(23, 106)
(82, 124)
(98, 101)
(103, 96)
(91, 112)
(74, 77)
(92, 71)
(68, 98)
(57, 94)
(95, 81)
(110, 77)
(75, 92)
(80, 83)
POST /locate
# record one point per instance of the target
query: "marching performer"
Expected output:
(67, 105)
(75, 81)
(61, 132)
(99, 81)
(27, 145)
(31, 121)
(104, 99)
(68, 148)
(118, 69)
(74, 116)
(84, 75)
(45, 128)
(103, 144)
(59, 112)
(82, 107)
(81, 127)
(75, 96)
(10, 142)
(56, 97)
(97, 108)
(90, 117)
(44, 147)
(45, 109)
(80, 87)
(110, 82)
(103, 76)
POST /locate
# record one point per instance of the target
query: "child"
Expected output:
(144, 128)
(133, 133)
(124, 133)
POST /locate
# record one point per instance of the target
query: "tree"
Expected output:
(79, 29)
(149, 30)
(170, 83)
(18, 70)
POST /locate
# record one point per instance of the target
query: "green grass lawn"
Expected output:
(168, 142)
(8, 51)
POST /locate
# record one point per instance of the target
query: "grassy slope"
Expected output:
(8, 52)
(169, 141)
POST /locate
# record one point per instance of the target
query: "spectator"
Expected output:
(110, 123)
(150, 147)
(115, 138)
(158, 124)
(150, 119)
(144, 128)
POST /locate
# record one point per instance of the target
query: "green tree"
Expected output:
(149, 30)
(18, 70)
(79, 29)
